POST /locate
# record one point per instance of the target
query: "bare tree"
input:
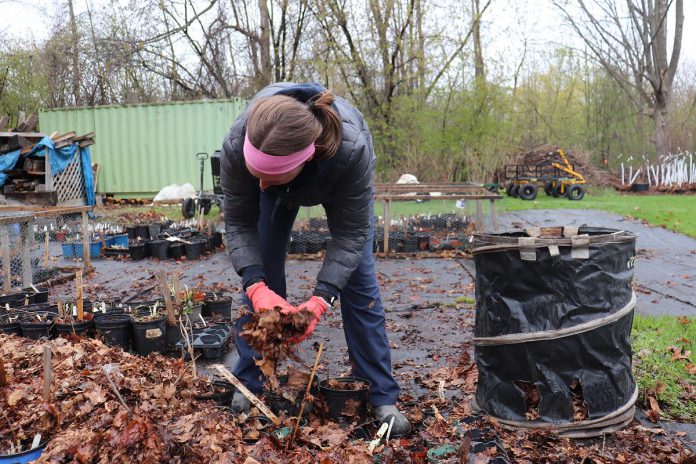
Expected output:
(75, 53)
(479, 70)
(631, 45)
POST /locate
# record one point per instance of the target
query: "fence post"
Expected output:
(6, 259)
(85, 241)
(479, 216)
(494, 216)
(26, 254)
(387, 224)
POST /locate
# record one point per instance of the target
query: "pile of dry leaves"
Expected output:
(160, 419)
(156, 418)
(85, 421)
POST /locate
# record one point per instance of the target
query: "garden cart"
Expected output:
(204, 201)
(557, 175)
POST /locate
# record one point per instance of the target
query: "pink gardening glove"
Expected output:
(263, 298)
(315, 305)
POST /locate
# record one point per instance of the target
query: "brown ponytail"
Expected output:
(329, 141)
(281, 125)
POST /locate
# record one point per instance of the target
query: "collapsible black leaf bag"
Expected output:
(554, 309)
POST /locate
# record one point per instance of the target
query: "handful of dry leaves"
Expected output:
(268, 333)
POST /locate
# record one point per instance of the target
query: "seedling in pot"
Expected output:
(147, 312)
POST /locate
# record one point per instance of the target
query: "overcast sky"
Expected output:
(508, 23)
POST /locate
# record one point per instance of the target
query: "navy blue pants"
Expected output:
(361, 309)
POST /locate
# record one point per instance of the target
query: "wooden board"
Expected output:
(34, 198)
(62, 137)
(26, 135)
(89, 135)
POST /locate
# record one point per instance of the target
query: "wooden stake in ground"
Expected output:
(184, 327)
(47, 373)
(304, 399)
(78, 284)
(106, 369)
(162, 277)
(46, 249)
(3, 374)
(222, 370)
(177, 287)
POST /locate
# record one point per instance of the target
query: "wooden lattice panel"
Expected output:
(69, 184)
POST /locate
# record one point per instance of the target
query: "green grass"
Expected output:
(674, 212)
(173, 212)
(656, 370)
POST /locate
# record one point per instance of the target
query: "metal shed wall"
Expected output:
(142, 148)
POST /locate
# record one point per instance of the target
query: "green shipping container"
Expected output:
(142, 148)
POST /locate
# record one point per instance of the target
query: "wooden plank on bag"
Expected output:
(62, 137)
(88, 135)
(27, 135)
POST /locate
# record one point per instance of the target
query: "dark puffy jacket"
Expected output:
(342, 184)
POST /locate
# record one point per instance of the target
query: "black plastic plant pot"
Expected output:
(40, 307)
(153, 230)
(9, 324)
(423, 242)
(314, 243)
(132, 233)
(14, 301)
(346, 403)
(159, 249)
(300, 245)
(222, 393)
(640, 187)
(172, 337)
(209, 244)
(195, 249)
(149, 335)
(260, 424)
(176, 250)
(410, 244)
(396, 241)
(217, 239)
(137, 251)
(143, 232)
(280, 404)
(37, 297)
(36, 330)
(115, 329)
(80, 328)
(222, 307)
(378, 243)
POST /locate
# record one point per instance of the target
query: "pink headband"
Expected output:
(274, 165)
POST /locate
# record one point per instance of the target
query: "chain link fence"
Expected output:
(38, 247)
